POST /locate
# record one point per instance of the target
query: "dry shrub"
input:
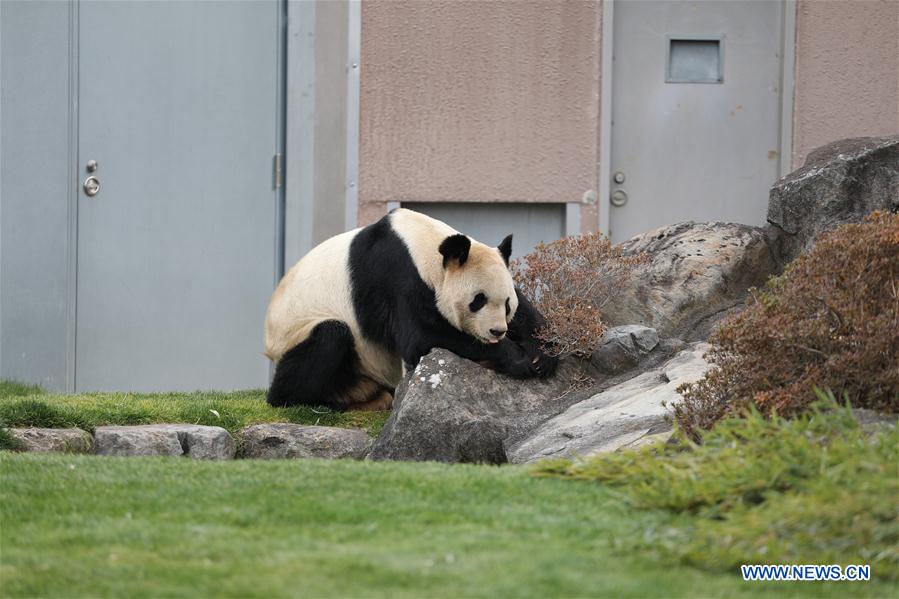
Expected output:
(831, 320)
(569, 281)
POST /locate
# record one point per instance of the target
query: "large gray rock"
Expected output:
(620, 416)
(452, 410)
(839, 183)
(191, 440)
(623, 347)
(697, 273)
(281, 441)
(64, 440)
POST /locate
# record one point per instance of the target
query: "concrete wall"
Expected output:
(847, 72)
(478, 102)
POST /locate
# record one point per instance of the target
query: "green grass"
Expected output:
(22, 406)
(15, 389)
(816, 489)
(90, 526)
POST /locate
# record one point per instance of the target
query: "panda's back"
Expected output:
(316, 288)
(319, 288)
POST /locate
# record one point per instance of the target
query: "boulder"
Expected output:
(452, 410)
(280, 441)
(191, 440)
(620, 416)
(623, 347)
(697, 273)
(872, 421)
(839, 183)
(64, 440)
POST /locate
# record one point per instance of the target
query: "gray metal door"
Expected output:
(490, 223)
(178, 105)
(695, 112)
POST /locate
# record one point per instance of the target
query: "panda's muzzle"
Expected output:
(498, 334)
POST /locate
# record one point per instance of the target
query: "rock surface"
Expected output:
(619, 416)
(191, 440)
(623, 347)
(64, 440)
(452, 410)
(280, 441)
(697, 273)
(839, 183)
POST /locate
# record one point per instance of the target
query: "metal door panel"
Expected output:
(34, 153)
(695, 151)
(490, 223)
(176, 253)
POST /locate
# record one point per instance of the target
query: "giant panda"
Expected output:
(360, 307)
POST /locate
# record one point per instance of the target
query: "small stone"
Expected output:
(191, 440)
(285, 440)
(623, 347)
(63, 440)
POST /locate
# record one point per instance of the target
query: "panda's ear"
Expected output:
(455, 247)
(505, 248)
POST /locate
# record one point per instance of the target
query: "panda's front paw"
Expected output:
(544, 366)
(521, 368)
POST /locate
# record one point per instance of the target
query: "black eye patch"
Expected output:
(508, 307)
(479, 301)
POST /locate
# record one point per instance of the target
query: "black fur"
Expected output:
(397, 310)
(505, 248)
(318, 370)
(526, 322)
(455, 247)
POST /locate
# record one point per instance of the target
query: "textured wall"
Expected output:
(478, 101)
(847, 72)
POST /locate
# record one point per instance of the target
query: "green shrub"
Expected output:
(831, 319)
(815, 489)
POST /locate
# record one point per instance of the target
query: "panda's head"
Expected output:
(477, 294)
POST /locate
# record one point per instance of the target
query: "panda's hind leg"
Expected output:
(382, 400)
(322, 370)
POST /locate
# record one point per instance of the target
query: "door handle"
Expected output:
(92, 186)
(618, 198)
(92, 183)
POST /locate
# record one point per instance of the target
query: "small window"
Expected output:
(695, 60)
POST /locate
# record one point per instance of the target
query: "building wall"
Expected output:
(847, 72)
(478, 102)
(36, 180)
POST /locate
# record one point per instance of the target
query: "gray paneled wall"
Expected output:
(34, 191)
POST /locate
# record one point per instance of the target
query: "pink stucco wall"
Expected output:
(478, 102)
(847, 71)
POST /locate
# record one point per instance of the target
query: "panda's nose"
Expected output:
(498, 332)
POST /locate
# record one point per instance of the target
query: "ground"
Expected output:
(83, 525)
(88, 525)
(24, 405)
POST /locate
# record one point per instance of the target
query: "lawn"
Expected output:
(655, 523)
(129, 527)
(22, 405)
